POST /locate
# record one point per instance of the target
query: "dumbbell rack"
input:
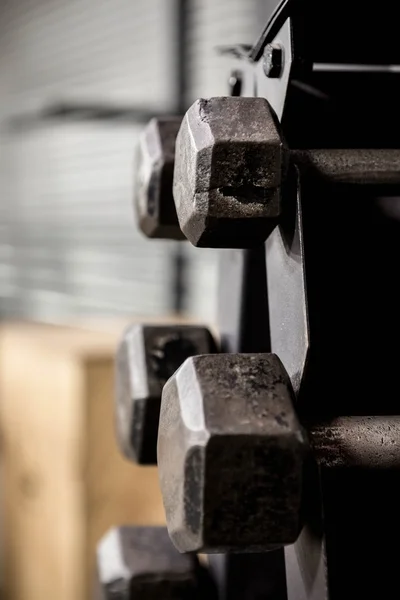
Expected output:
(322, 295)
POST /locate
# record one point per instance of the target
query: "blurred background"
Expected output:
(78, 81)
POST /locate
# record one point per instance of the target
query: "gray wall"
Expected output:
(68, 243)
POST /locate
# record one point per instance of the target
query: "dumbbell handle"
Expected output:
(363, 442)
(351, 166)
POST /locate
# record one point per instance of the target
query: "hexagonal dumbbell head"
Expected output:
(140, 563)
(230, 454)
(155, 208)
(229, 163)
(146, 358)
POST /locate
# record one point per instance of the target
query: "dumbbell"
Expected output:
(154, 203)
(232, 453)
(146, 357)
(229, 165)
(231, 162)
(140, 563)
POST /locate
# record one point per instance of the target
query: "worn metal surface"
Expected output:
(147, 356)
(141, 563)
(154, 202)
(364, 442)
(228, 168)
(366, 167)
(230, 454)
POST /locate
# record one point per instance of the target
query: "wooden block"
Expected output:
(65, 482)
